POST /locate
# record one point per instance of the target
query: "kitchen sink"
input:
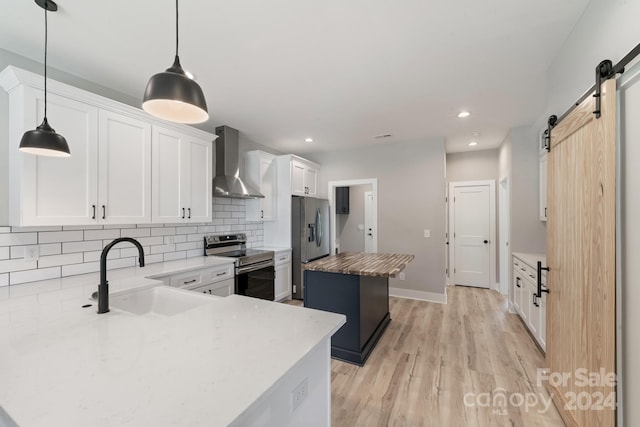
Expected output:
(159, 301)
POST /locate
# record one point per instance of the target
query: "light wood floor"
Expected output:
(433, 355)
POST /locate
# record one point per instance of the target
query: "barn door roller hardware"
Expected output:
(604, 71)
(551, 123)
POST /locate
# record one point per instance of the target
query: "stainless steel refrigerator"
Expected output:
(309, 236)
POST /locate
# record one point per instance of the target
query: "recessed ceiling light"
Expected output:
(309, 140)
(463, 114)
(472, 144)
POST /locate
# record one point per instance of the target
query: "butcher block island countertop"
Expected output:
(361, 264)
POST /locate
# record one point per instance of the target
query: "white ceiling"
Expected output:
(339, 71)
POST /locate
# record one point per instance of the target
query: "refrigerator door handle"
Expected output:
(319, 227)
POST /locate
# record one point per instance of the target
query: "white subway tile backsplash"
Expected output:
(163, 231)
(11, 265)
(12, 239)
(57, 260)
(170, 256)
(35, 229)
(149, 241)
(101, 234)
(16, 278)
(151, 259)
(59, 236)
(135, 232)
(95, 255)
(74, 250)
(89, 245)
(43, 250)
(162, 249)
(75, 269)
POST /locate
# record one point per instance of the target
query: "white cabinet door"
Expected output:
(534, 309)
(57, 191)
(181, 178)
(282, 283)
(167, 172)
(298, 186)
(125, 170)
(517, 290)
(311, 181)
(198, 200)
(260, 173)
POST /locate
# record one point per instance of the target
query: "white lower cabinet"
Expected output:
(282, 283)
(218, 280)
(524, 299)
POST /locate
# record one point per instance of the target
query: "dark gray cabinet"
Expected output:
(342, 200)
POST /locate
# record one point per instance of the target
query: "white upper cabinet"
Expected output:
(304, 177)
(108, 179)
(50, 190)
(260, 173)
(182, 177)
(124, 192)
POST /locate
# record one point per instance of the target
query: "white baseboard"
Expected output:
(418, 295)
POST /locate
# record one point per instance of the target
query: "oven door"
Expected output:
(256, 281)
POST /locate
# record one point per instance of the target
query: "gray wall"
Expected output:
(411, 192)
(519, 160)
(472, 166)
(349, 236)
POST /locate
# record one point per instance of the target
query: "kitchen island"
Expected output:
(228, 361)
(356, 285)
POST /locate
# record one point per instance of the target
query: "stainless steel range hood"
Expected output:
(227, 182)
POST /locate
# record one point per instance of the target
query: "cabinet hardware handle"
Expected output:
(190, 281)
(535, 302)
(104, 212)
(540, 290)
(189, 210)
(261, 214)
(283, 258)
(182, 213)
(518, 282)
(545, 212)
(221, 274)
(94, 211)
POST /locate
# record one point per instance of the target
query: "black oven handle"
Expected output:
(254, 267)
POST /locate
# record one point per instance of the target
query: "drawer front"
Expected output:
(220, 289)
(186, 279)
(220, 273)
(282, 257)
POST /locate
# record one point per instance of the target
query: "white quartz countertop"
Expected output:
(205, 366)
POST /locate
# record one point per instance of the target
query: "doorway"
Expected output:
(472, 244)
(356, 229)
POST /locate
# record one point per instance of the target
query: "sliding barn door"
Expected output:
(581, 258)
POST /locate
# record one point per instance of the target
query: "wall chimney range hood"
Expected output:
(227, 182)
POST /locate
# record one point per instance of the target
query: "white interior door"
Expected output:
(370, 245)
(472, 209)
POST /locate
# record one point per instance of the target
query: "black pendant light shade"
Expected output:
(43, 140)
(173, 96)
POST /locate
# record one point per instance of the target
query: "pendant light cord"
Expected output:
(46, 32)
(176, 28)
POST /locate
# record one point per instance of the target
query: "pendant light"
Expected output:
(44, 140)
(173, 96)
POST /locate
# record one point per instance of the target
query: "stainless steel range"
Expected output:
(254, 268)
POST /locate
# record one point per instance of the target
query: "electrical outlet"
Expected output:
(31, 253)
(401, 275)
(427, 233)
(299, 393)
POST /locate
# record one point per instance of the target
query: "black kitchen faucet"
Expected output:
(103, 287)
